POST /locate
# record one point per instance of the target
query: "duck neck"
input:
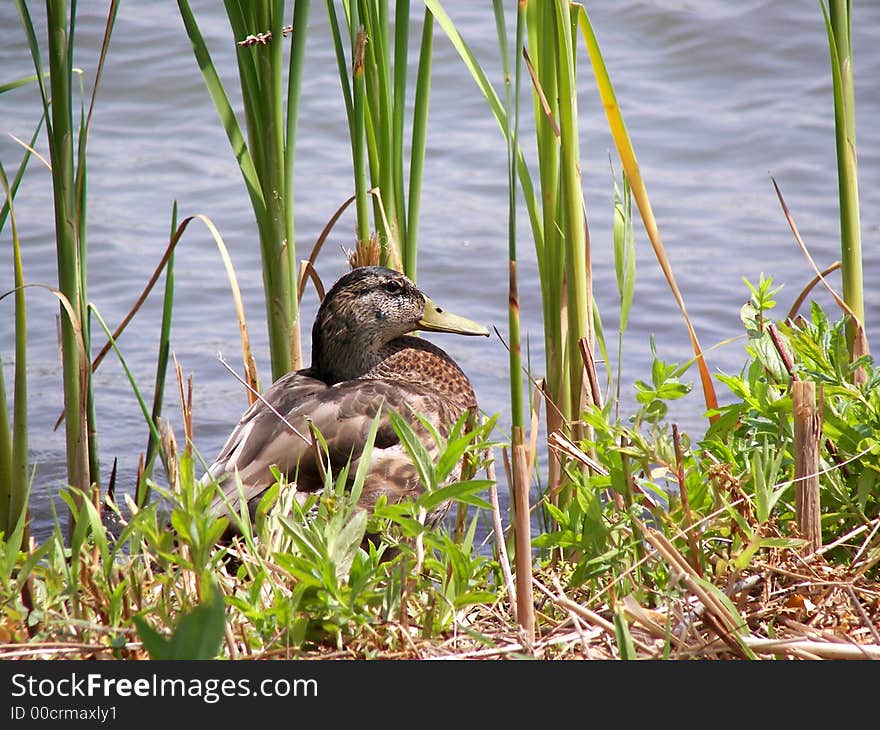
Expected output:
(340, 352)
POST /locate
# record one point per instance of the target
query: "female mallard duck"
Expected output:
(362, 358)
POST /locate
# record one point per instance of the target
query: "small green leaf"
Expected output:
(624, 639)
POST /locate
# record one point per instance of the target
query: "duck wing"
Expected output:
(271, 432)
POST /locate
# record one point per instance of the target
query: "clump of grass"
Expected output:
(301, 578)
(671, 548)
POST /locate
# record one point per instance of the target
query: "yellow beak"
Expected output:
(437, 320)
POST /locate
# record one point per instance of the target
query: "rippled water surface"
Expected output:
(718, 97)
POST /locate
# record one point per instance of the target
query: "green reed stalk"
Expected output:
(69, 183)
(417, 148)
(519, 472)
(839, 24)
(266, 160)
(512, 136)
(68, 222)
(378, 104)
(14, 441)
(557, 217)
(352, 83)
(564, 265)
(577, 276)
(375, 93)
(71, 276)
(551, 260)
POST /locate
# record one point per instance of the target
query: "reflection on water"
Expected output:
(717, 97)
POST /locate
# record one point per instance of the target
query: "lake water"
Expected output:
(717, 96)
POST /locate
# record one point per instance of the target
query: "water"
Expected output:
(717, 97)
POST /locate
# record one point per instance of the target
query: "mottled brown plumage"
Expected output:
(362, 358)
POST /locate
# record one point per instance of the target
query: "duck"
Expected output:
(365, 360)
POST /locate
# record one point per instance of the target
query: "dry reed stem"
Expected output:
(589, 616)
(523, 538)
(727, 626)
(500, 543)
(807, 438)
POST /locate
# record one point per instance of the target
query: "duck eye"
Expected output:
(392, 287)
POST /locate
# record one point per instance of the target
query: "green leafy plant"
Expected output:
(198, 634)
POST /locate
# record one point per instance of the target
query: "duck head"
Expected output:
(364, 312)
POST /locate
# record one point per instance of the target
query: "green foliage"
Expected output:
(197, 634)
(664, 386)
(738, 479)
(306, 572)
(753, 434)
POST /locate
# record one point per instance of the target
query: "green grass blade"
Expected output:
(398, 106)
(497, 108)
(416, 449)
(364, 463)
(294, 87)
(14, 440)
(461, 491)
(224, 109)
(624, 638)
(5, 456)
(144, 410)
(418, 145)
(143, 489)
(34, 47)
(19, 175)
(17, 83)
(341, 64)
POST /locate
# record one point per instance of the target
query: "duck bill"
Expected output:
(438, 320)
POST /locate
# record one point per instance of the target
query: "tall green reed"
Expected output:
(557, 215)
(519, 472)
(14, 485)
(267, 159)
(374, 88)
(69, 197)
(838, 23)
(563, 259)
